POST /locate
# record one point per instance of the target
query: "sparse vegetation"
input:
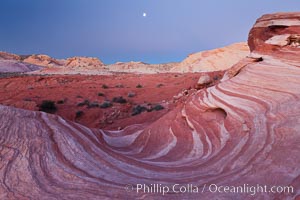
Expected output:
(119, 100)
(160, 85)
(85, 103)
(138, 110)
(149, 108)
(27, 99)
(100, 94)
(139, 86)
(106, 104)
(12, 74)
(60, 102)
(93, 105)
(79, 114)
(47, 106)
(216, 78)
(158, 107)
(104, 86)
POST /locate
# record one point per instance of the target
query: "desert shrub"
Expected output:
(131, 94)
(160, 85)
(79, 113)
(93, 105)
(216, 78)
(80, 104)
(84, 103)
(158, 107)
(60, 102)
(27, 99)
(47, 106)
(106, 104)
(100, 94)
(138, 110)
(104, 86)
(139, 86)
(119, 100)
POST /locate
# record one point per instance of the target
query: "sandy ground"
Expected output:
(68, 91)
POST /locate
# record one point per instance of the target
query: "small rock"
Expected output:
(245, 128)
(131, 94)
(203, 80)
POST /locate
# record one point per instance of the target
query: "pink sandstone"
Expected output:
(244, 130)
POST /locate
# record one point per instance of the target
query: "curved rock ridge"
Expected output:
(43, 60)
(213, 60)
(244, 130)
(277, 34)
(8, 56)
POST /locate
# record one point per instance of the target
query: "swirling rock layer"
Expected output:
(244, 130)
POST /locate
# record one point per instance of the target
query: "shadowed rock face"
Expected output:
(244, 130)
(7, 66)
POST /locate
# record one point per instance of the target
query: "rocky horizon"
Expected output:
(196, 62)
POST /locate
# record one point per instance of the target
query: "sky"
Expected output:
(152, 31)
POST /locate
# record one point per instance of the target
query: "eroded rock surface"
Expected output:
(205, 61)
(43, 60)
(7, 66)
(244, 130)
(213, 60)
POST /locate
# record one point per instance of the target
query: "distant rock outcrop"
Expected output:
(213, 60)
(87, 62)
(43, 60)
(9, 56)
(140, 67)
(10, 66)
(47, 64)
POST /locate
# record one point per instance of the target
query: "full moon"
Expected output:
(144, 14)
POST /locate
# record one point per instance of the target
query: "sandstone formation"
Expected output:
(203, 80)
(83, 62)
(9, 56)
(140, 67)
(13, 63)
(244, 130)
(7, 66)
(43, 60)
(213, 60)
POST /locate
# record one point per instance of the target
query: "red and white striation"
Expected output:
(244, 130)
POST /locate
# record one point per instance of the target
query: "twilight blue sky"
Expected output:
(115, 30)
